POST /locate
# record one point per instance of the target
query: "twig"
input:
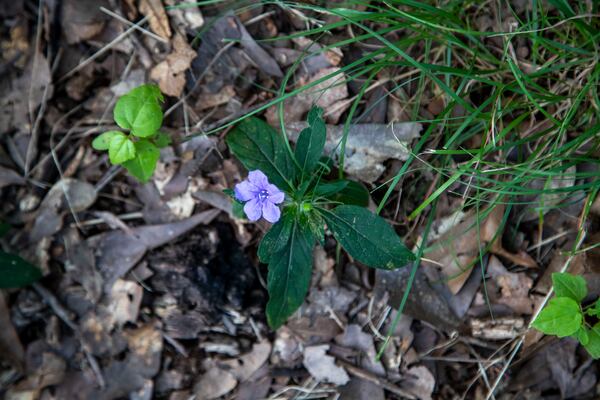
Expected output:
(176, 345)
(102, 50)
(533, 318)
(63, 314)
(134, 26)
(361, 373)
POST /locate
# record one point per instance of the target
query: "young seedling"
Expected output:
(139, 114)
(293, 180)
(565, 315)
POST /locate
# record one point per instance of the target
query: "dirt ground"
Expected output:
(154, 291)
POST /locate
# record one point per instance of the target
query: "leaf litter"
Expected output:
(153, 291)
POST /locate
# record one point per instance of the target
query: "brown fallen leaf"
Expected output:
(46, 369)
(170, 73)
(243, 367)
(215, 383)
(66, 195)
(210, 100)
(514, 287)
(125, 300)
(457, 250)
(157, 17)
(82, 19)
(11, 348)
(325, 94)
(420, 382)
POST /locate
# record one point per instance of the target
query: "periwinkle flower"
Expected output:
(261, 197)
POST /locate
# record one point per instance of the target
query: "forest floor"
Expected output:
(475, 128)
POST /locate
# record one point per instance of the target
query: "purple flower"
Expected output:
(260, 196)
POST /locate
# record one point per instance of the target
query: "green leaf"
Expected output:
(147, 91)
(258, 146)
(583, 336)
(568, 285)
(237, 209)
(593, 344)
(143, 164)
(595, 309)
(289, 275)
(162, 140)
(102, 141)
(326, 189)
(277, 237)
(311, 141)
(367, 237)
(344, 191)
(16, 272)
(139, 111)
(561, 317)
(121, 149)
(353, 194)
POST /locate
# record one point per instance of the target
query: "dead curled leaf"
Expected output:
(457, 250)
(157, 17)
(170, 73)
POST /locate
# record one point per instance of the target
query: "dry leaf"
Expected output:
(210, 100)
(420, 382)
(457, 250)
(325, 94)
(215, 383)
(10, 346)
(243, 367)
(514, 287)
(170, 73)
(368, 145)
(157, 17)
(126, 297)
(322, 367)
(82, 19)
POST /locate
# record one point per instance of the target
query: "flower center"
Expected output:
(263, 195)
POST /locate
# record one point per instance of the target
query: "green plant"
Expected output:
(566, 316)
(295, 179)
(139, 113)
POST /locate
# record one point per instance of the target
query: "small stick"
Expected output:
(102, 50)
(63, 314)
(361, 373)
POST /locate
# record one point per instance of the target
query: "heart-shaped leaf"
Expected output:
(102, 142)
(561, 317)
(120, 149)
(143, 164)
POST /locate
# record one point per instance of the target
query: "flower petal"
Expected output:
(253, 210)
(258, 179)
(275, 195)
(270, 212)
(245, 191)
